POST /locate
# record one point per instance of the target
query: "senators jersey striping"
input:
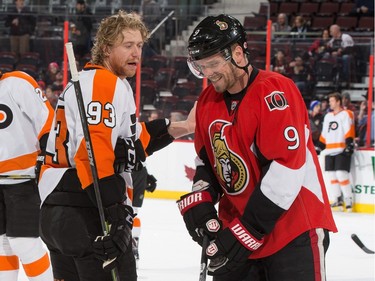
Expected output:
(110, 114)
(25, 116)
(261, 153)
(336, 129)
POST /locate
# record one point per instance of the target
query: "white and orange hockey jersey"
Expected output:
(110, 110)
(25, 116)
(336, 129)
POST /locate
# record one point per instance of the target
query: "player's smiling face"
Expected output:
(217, 69)
(124, 56)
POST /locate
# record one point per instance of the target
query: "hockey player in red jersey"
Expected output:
(25, 121)
(70, 222)
(257, 161)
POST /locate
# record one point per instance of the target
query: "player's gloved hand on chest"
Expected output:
(129, 155)
(109, 247)
(200, 215)
(232, 247)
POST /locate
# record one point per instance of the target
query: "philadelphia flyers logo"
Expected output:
(6, 116)
(276, 101)
(333, 125)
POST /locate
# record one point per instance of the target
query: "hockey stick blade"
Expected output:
(203, 273)
(361, 245)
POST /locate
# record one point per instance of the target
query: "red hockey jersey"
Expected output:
(264, 139)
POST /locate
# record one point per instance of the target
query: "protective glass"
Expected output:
(198, 69)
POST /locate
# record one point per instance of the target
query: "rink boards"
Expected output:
(174, 169)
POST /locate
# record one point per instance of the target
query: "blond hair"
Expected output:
(110, 31)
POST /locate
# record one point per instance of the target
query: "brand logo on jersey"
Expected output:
(222, 25)
(6, 116)
(230, 167)
(276, 101)
(333, 126)
(234, 104)
(245, 237)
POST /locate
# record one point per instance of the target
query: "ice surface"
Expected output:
(167, 252)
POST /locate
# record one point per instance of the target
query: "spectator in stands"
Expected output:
(280, 63)
(301, 74)
(57, 85)
(362, 124)
(364, 8)
(81, 29)
(341, 48)
(152, 15)
(319, 46)
(299, 26)
(22, 24)
(316, 123)
(50, 75)
(281, 26)
(51, 96)
(347, 103)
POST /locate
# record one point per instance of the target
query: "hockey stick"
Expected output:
(203, 273)
(17, 177)
(90, 152)
(361, 245)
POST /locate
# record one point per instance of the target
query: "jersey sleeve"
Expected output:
(32, 102)
(282, 140)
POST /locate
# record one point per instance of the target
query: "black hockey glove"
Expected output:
(129, 156)
(109, 247)
(349, 149)
(232, 247)
(200, 215)
(38, 166)
(151, 183)
(159, 136)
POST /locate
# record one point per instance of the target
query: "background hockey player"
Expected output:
(257, 160)
(25, 121)
(70, 224)
(337, 136)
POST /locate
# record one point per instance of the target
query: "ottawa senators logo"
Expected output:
(230, 167)
(222, 25)
(276, 101)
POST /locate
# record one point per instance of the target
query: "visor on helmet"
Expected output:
(198, 69)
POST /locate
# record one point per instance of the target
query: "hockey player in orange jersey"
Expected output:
(25, 121)
(337, 136)
(70, 222)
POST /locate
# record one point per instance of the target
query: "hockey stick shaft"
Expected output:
(86, 133)
(17, 177)
(203, 273)
(361, 245)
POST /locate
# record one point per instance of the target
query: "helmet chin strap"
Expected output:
(244, 68)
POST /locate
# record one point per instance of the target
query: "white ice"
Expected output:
(167, 252)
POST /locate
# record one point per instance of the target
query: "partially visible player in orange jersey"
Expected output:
(70, 222)
(337, 136)
(25, 121)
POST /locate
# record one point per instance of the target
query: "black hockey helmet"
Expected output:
(215, 34)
